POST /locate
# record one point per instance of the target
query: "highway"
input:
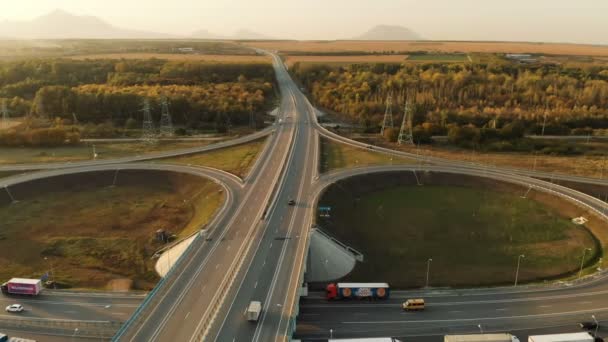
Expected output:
(256, 246)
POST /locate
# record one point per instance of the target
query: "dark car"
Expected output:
(291, 202)
(588, 325)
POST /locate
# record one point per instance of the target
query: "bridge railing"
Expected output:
(156, 294)
(91, 329)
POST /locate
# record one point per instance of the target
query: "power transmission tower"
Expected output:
(166, 125)
(388, 115)
(148, 134)
(5, 122)
(75, 118)
(405, 133)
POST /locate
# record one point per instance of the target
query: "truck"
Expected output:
(369, 339)
(501, 337)
(571, 337)
(253, 311)
(357, 290)
(22, 286)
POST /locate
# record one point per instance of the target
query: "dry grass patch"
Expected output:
(237, 160)
(340, 156)
(291, 60)
(94, 235)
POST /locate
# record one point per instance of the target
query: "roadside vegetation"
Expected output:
(94, 236)
(340, 156)
(473, 235)
(60, 101)
(237, 160)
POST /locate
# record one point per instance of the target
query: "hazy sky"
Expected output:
(584, 21)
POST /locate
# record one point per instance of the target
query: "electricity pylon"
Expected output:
(5, 122)
(388, 115)
(166, 125)
(405, 133)
(148, 134)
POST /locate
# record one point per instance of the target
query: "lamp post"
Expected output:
(331, 333)
(517, 270)
(52, 272)
(480, 328)
(428, 270)
(597, 324)
(580, 272)
(74, 334)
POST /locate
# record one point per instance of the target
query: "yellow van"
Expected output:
(413, 304)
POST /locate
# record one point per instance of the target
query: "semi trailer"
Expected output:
(22, 286)
(572, 337)
(481, 338)
(357, 290)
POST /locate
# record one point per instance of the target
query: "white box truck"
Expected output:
(481, 338)
(253, 311)
(572, 337)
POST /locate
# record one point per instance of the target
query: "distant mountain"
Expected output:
(240, 34)
(389, 32)
(61, 24)
(248, 34)
(205, 34)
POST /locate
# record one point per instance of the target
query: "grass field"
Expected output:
(339, 156)
(94, 236)
(434, 46)
(237, 160)
(474, 236)
(9, 173)
(23, 155)
(580, 165)
(178, 57)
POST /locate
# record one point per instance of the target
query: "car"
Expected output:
(588, 325)
(370, 147)
(413, 304)
(291, 202)
(14, 308)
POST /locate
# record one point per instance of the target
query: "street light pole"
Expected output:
(428, 270)
(597, 324)
(480, 328)
(517, 270)
(580, 272)
(52, 272)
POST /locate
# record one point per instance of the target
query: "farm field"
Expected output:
(473, 235)
(178, 57)
(23, 155)
(436, 57)
(436, 46)
(103, 234)
(339, 156)
(237, 160)
(290, 60)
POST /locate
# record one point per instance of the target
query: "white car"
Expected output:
(14, 308)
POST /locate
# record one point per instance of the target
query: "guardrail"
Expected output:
(154, 296)
(358, 255)
(96, 329)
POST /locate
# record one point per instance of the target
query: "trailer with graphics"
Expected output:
(357, 290)
(22, 286)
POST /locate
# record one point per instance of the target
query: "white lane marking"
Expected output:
(229, 246)
(270, 245)
(188, 314)
(203, 289)
(545, 306)
(255, 286)
(264, 263)
(477, 319)
(216, 266)
(502, 309)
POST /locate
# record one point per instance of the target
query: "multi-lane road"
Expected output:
(256, 246)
